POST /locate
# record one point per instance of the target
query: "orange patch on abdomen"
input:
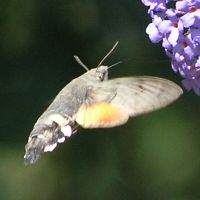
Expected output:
(100, 115)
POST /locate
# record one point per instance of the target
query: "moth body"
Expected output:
(93, 101)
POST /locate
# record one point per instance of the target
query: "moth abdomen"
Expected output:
(45, 136)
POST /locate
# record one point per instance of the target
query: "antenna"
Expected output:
(108, 53)
(117, 63)
(78, 60)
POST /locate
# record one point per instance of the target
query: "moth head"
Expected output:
(101, 73)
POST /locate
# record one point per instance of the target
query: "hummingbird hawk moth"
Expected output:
(93, 101)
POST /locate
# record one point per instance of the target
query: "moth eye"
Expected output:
(100, 76)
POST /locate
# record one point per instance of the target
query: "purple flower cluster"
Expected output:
(177, 24)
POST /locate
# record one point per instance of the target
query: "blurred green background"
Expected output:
(152, 157)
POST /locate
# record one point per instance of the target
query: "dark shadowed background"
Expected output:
(155, 156)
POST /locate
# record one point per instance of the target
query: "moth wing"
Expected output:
(114, 101)
(97, 111)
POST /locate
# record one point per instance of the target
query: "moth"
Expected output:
(93, 101)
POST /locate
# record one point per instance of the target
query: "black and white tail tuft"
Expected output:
(44, 138)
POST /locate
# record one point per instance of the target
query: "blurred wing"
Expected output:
(112, 102)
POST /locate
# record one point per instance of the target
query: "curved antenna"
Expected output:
(78, 60)
(108, 53)
(117, 63)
